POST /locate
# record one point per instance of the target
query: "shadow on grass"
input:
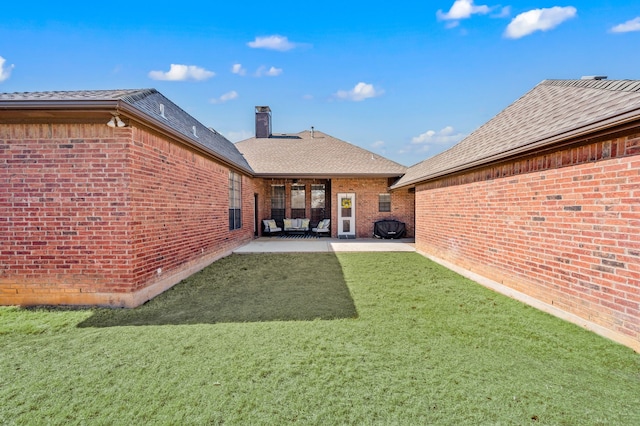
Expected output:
(246, 288)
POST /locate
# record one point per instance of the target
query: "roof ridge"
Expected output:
(601, 84)
(352, 144)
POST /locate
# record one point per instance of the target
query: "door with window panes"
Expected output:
(347, 215)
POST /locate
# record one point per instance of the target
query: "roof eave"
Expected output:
(60, 104)
(127, 110)
(326, 175)
(571, 135)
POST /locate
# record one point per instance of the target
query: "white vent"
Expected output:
(193, 128)
(162, 111)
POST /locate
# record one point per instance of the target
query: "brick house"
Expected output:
(544, 201)
(311, 174)
(111, 197)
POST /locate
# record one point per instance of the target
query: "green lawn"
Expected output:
(347, 338)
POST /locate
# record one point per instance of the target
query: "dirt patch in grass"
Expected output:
(246, 288)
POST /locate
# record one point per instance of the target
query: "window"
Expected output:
(235, 200)
(317, 196)
(298, 201)
(277, 203)
(384, 202)
(318, 204)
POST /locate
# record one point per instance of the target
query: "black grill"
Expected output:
(389, 229)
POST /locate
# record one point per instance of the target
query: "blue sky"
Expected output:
(402, 79)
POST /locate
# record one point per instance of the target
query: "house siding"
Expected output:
(367, 191)
(104, 216)
(562, 227)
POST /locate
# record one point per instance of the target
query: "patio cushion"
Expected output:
(323, 224)
(296, 224)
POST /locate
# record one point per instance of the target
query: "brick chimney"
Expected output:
(263, 122)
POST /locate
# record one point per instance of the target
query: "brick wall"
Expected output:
(95, 215)
(367, 191)
(563, 227)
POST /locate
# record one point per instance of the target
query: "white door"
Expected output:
(346, 215)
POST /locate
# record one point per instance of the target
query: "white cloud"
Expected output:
(229, 96)
(237, 69)
(380, 147)
(273, 42)
(179, 72)
(629, 26)
(505, 12)
(538, 20)
(360, 92)
(271, 72)
(446, 136)
(431, 141)
(240, 135)
(5, 72)
(462, 9)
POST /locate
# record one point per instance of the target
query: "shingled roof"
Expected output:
(552, 112)
(141, 102)
(316, 154)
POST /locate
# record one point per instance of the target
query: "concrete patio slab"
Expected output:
(319, 245)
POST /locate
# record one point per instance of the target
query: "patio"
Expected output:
(323, 245)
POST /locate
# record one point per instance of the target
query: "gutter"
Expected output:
(324, 175)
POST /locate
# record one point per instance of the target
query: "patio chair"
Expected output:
(322, 228)
(270, 227)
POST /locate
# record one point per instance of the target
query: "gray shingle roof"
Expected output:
(552, 111)
(299, 154)
(145, 101)
(77, 95)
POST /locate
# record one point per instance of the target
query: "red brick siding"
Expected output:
(367, 191)
(180, 205)
(89, 209)
(562, 227)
